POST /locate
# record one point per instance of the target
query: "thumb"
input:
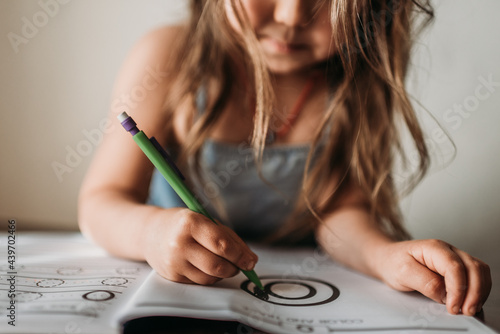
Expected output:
(418, 277)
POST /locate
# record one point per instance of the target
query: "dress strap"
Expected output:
(201, 100)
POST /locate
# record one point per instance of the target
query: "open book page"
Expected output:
(64, 284)
(305, 293)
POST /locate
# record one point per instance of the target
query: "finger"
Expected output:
(219, 241)
(477, 279)
(173, 276)
(176, 278)
(195, 275)
(418, 277)
(240, 241)
(179, 269)
(473, 293)
(210, 263)
(487, 283)
(439, 257)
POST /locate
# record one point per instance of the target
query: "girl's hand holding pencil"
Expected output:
(187, 247)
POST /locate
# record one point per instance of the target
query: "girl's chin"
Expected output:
(284, 68)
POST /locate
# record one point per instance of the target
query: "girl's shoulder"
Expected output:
(144, 79)
(162, 35)
(158, 45)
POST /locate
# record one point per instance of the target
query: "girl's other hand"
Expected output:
(437, 270)
(187, 247)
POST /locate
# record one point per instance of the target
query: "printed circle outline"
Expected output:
(88, 296)
(49, 282)
(108, 281)
(335, 292)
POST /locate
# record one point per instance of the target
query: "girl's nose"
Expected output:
(293, 13)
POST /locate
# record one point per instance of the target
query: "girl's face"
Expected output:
(292, 34)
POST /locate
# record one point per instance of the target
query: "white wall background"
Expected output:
(460, 201)
(55, 88)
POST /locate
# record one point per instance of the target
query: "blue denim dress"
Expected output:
(232, 190)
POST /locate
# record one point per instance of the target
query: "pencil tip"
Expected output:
(260, 293)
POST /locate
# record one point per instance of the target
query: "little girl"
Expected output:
(285, 117)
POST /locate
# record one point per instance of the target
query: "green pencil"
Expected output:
(171, 173)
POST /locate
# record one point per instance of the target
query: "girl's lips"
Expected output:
(278, 46)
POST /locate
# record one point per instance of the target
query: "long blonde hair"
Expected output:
(368, 101)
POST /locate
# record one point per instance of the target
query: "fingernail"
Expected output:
(472, 310)
(250, 265)
(455, 309)
(443, 300)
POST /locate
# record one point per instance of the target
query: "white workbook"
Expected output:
(65, 284)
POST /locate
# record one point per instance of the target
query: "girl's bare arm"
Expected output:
(433, 267)
(181, 245)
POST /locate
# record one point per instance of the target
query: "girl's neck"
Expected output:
(292, 79)
(288, 87)
(290, 83)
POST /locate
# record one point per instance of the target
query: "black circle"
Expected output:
(335, 293)
(268, 286)
(88, 296)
